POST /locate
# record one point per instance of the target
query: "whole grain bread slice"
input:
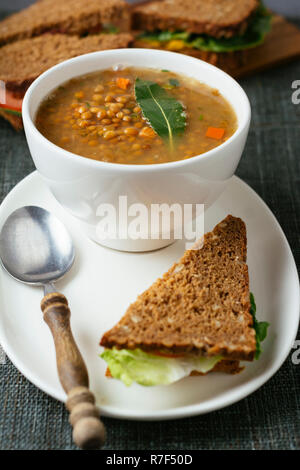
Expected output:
(201, 305)
(218, 18)
(67, 16)
(22, 61)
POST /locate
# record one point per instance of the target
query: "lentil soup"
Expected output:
(97, 116)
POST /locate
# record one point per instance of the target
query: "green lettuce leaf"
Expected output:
(148, 369)
(11, 111)
(258, 27)
(261, 328)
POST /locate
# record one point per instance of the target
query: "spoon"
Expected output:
(35, 248)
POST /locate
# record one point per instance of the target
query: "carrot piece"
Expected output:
(215, 132)
(108, 373)
(123, 83)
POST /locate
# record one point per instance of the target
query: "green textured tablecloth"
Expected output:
(270, 417)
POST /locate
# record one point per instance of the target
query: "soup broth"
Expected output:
(97, 116)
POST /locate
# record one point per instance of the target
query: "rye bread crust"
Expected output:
(201, 305)
(67, 17)
(217, 18)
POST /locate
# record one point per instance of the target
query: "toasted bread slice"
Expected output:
(217, 18)
(201, 305)
(23, 61)
(67, 17)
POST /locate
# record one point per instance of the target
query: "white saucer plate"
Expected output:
(104, 282)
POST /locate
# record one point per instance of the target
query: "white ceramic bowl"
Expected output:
(81, 184)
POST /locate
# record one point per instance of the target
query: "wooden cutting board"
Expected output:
(282, 44)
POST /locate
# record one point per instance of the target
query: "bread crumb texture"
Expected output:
(21, 62)
(201, 305)
(66, 16)
(218, 18)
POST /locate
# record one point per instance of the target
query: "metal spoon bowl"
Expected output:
(35, 246)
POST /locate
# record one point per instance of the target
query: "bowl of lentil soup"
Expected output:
(98, 116)
(154, 126)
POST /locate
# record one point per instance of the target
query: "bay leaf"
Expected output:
(164, 113)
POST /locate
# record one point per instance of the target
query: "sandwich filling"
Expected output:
(259, 26)
(13, 105)
(154, 369)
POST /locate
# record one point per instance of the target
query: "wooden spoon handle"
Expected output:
(88, 429)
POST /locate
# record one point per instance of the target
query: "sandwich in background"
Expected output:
(49, 32)
(23, 61)
(199, 317)
(217, 31)
(75, 17)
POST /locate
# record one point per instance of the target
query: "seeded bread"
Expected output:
(217, 18)
(21, 62)
(201, 305)
(65, 16)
